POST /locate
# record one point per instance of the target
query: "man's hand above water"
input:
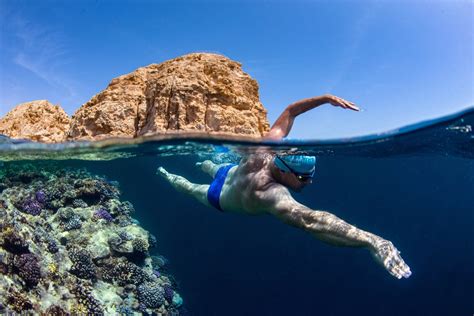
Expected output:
(336, 101)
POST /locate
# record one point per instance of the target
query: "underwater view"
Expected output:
(230, 158)
(92, 228)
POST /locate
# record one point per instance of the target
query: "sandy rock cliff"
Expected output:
(39, 121)
(198, 92)
(195, 92)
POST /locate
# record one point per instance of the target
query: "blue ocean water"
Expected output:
(413, 186)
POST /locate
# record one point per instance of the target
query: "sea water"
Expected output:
(413, 186)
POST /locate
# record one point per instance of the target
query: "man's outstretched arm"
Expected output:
(283, 124)
(331, 229)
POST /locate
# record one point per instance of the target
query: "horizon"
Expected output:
(375, 54)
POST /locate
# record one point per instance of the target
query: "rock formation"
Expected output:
(39, 121)
(196, 92)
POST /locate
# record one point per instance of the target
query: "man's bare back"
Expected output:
(259, 185)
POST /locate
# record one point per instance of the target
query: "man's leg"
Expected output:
(199, 191)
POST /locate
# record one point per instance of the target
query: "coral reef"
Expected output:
(151, 294)
(27, 267)
(68, 245)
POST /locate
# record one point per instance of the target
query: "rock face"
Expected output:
(39, 121)
(196, 92)
(199, 92)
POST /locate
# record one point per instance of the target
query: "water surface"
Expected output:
(413, 186)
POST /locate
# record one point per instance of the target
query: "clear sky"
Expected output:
(400, 61)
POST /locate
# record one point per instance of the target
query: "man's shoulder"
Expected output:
(259, 160)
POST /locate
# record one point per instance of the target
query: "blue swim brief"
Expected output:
(214, 191)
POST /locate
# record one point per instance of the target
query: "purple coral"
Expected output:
(40, 196)
(52, 246)
(125, 236)
(102, 213)
(28, 268)
(31, 206)
(168, 292)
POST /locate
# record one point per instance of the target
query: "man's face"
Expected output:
(291, 181)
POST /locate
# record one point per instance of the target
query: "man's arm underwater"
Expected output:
(283, 124)
(333, 230)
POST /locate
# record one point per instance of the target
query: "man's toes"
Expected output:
(392, 272)
(398, 271)
(406, 272)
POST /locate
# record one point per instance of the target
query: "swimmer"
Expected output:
(260, 184)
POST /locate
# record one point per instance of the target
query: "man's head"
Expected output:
(295, 171)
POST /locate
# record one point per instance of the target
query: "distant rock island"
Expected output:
(39, 121)
(197, 92)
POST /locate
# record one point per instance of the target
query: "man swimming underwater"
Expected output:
(259, 185)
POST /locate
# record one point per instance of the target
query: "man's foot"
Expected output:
(162, 172)
(386, 254)
(208, 167)
(172, 178)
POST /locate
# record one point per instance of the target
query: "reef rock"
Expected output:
(69, 246)
(39, 121)
(193, 93)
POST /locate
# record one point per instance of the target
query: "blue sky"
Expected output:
(400, 61)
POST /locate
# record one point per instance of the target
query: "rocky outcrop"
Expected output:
(39, 121)
(197, 92)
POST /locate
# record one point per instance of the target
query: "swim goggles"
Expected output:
(302, 177)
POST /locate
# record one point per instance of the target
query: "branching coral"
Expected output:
(69, 220)
(77, 203)
(55, 310)
(18, 302)
(140, 245)
(74, 222)
(151, 294)
(82, 267)
(86, 299)
(123, 272)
